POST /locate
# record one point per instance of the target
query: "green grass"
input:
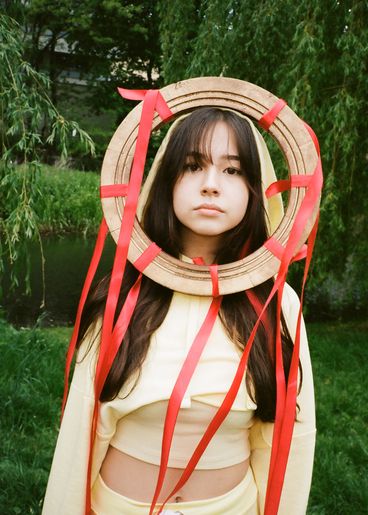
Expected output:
(64, 200)
(340, 480)
(31, 377)
(69, 200)
(30, 388)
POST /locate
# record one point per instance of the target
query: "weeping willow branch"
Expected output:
(26, 110)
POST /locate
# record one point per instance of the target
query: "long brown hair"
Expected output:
(193, 135)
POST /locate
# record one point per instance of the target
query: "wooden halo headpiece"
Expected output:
(287, 129)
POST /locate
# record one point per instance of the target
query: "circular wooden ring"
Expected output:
(293, 139)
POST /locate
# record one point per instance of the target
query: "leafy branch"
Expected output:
(30, 126)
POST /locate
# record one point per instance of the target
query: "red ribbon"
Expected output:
(112, 336)
(149, 103)
(284, 421)
(140, 94)
(295, 181)
(223, 409)
(278, 250)
(214, 277)
(102, 233)
(182, 383)
(198, 261)
(125, 315)
(257, 306)
(114, 190)
(269, 117)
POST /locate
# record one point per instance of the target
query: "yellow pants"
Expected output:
(241, 500)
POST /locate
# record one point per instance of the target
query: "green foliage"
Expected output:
(109, 42)
(29, 119)
(339, 478)
(178, 30)
(216, 21)
(313, 54)
(117, 44)
(73, 102)
(29, 123)
(64, 200)
(31, 388)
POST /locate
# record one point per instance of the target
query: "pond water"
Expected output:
(67, 261)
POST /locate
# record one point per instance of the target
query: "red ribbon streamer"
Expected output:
(179, 390)
(147, 257)
(140, 94)
(214, 277)
(295, 181)
(184, 378)
(278, 250)
(269, 117)
(284, 421)
(257, 306)
(113, 190)
(102, 233)
(112, 336)
(223, 409)
(198, 261)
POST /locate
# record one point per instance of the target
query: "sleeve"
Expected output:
(65, 493)
(298, 476)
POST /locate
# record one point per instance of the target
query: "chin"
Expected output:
(207, 232)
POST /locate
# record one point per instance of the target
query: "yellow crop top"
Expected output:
(139, 433)
(240, 433)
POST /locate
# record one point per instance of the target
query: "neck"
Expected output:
(195, 245)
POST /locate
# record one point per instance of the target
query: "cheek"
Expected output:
(241, 200)
(179, 195)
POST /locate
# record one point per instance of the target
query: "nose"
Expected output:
(210, 184)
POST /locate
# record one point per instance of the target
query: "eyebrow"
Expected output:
(199, 155)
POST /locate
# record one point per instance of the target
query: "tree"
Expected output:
(26, 109)
(314, 55)
(45, 26)
(110, 43)
(120, 45)
(179, 25)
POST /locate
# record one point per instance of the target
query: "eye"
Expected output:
(232, 171)
(191, 167)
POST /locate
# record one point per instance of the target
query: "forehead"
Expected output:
(216, 139)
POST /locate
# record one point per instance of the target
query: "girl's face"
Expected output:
(211, 196)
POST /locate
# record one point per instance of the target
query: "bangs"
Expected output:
(194, 137)
(198, 144)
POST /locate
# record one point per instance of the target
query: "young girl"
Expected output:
(203, 202)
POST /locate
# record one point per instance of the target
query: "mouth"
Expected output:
(209, 208)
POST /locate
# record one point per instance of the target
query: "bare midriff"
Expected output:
(137, 479)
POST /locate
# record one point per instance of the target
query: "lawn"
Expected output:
(340, 481)
(31, 377)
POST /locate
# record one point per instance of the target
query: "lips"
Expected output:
(209, 207)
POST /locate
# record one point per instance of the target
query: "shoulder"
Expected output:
(290, 310)
(290, 301)
(90, 341)
(86, 358)
(290, 297)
